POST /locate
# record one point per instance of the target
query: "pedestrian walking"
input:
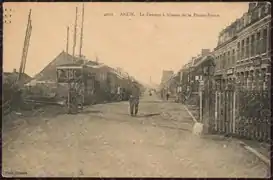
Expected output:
(72, 103)
(134, 99)
(167, 95)
(119, 93)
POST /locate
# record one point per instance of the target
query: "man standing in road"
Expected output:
(119, 93)
(167, 95)
(134, 99)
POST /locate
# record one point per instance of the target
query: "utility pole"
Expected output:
(75, 34)
(97, 59)
(25, 47)
(81, 40)
(67, 40)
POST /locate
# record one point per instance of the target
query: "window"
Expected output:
(233, 57)
(250, 17)
(259, 12)
(264, 41)
(255, 15)
(252, 45)
(228, 59)
(266, 11)
(243, 49)
(245, 20)
(238, 51)
(219, 61)
(269, 42)
(216, 62)
(224, 61)
(247, 47)
(258, 43)
(262, 11)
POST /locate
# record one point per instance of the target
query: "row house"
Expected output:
(192, 72)
(242, 55)
(254, 48)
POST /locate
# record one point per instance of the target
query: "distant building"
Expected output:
(192, 72)
(166, 75)
(11, 77)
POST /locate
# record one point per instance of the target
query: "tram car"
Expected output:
(93, 83)
(76, 81)
(81, 84)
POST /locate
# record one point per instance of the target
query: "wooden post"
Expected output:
(82, 30)
(234, 111)
(208, 122)
(67, 39)
(68, 98)
(75, 33)
(216, 110)
(201, 106)
(220, 113)
(25, 47)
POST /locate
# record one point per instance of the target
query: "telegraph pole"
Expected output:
(67, 40)
(25, 47)
(82, 30)
(75, 33)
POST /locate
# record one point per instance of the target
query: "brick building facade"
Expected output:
(242, 55)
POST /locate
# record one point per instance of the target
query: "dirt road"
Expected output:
(105, 141)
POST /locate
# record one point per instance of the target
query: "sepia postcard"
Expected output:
(133, 89)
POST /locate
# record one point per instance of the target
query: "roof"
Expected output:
(97, 66)
(117, 74)
(12, 76)
(203, 59)
(49, 72)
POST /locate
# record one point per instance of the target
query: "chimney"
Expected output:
(205, 52)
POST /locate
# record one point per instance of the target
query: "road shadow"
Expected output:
(148, 115)
(152, 101)
(217, 137)
(90, 112)
(173, 128)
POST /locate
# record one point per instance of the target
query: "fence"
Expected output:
(243, 113)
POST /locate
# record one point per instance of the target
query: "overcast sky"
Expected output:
(143, 46)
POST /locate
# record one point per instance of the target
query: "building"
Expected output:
(10, 83)
(192, 72)
(166, 75)
(11, 77)
(172, 83)
(242, 55)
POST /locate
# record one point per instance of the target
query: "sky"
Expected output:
(143, 46)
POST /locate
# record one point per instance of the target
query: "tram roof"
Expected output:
(72, 65)
(118, 74)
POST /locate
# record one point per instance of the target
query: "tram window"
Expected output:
(70, 73)
(61, 74)
(77, 74)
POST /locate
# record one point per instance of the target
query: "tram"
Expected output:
(79, 83)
